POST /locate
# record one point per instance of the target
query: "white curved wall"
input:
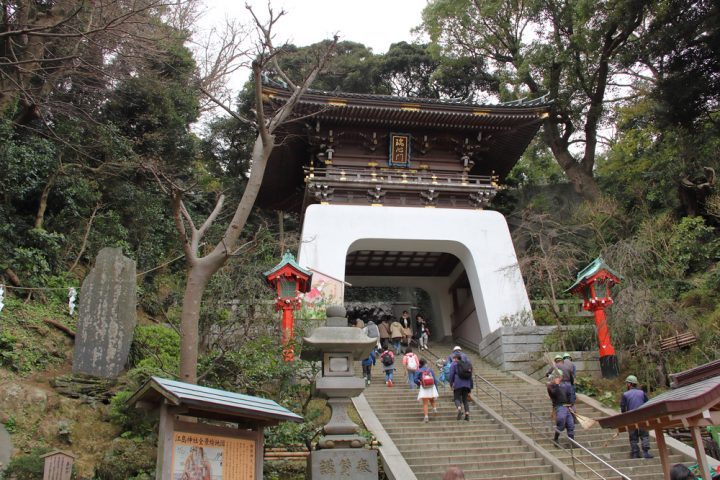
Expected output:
(479, 238)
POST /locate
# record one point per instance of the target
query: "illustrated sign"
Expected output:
(212, 457)
(399, 150)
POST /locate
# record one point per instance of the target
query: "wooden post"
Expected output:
(663, 452)
(700, 453)
(166, 429)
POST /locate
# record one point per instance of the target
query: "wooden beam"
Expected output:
(700, 453)
(663, 452)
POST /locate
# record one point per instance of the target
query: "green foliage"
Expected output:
(26, 467)
(585, 386)
(129, 459)
(575, 338)
(10, 424)
(694, 245)
(155, 351)
(25, 346)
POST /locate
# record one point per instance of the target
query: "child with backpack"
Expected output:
(387, 358)
(367, 366)
(444, 367)
(425, 379)
(411, 362)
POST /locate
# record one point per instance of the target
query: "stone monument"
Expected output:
(340, 453)
(107, 316)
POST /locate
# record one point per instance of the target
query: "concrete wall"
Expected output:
(522, 349)
(479, 238)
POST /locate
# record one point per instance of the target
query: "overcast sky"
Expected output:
(374, 23)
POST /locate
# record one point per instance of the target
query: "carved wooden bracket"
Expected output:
(376, 195)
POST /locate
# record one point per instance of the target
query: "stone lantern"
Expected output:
(337, 346)
(594, 283)
(289, 279)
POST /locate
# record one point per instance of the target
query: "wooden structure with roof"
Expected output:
(693, 402)
(234, 452)
(362, 149)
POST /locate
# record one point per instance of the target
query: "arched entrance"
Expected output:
(479, 239)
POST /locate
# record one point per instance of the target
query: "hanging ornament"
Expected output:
(2, 296)
(72, 296)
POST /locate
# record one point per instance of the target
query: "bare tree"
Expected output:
(548, 256)
(200, 268)
(50, 51)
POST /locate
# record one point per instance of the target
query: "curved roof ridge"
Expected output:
(465, 102)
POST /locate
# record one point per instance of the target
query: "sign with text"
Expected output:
(399, 150)
(212, 457)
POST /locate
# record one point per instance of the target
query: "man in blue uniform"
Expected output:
(634, 398)
(563, 398)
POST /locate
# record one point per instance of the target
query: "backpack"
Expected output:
(426, 379)
(412, 363)
(387, 360)
(464, 369)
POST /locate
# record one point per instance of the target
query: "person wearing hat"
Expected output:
(570, 367)
(568, 363)
(562, 398)
(456, 349)
(634, 397)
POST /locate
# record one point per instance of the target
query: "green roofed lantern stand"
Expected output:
(594, 283)
(289, 280)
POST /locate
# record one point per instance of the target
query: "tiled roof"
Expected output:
(467, 102)
(211, 399)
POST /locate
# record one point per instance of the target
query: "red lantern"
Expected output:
(289, 280)
(594, 283)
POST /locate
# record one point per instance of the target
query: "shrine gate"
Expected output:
(395, 192)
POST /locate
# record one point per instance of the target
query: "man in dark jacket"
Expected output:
(634, 398)
(461, 386)
(563, 398)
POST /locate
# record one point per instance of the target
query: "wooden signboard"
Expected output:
(399, 150)
(196, 451)
(58, 465)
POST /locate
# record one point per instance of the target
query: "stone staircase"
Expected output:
(611, 447)
(483, 447)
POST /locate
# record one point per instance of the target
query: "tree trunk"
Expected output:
(580, 176)
(42, 206)
(198, 276)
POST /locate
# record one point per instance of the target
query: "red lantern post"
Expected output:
(594, 283)
(288, 279)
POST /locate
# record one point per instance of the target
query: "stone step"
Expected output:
(456, 434)
(490, 470)
(442, 450)
(451, 457)
(464, 443)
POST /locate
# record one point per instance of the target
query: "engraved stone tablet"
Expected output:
(107, 316)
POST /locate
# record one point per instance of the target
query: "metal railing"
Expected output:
(535, 420)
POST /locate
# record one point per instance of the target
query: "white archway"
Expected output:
(479, 238)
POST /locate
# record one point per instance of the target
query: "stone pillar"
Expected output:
(341, 454)
(107, 316)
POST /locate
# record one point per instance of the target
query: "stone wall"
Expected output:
(522, 349)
